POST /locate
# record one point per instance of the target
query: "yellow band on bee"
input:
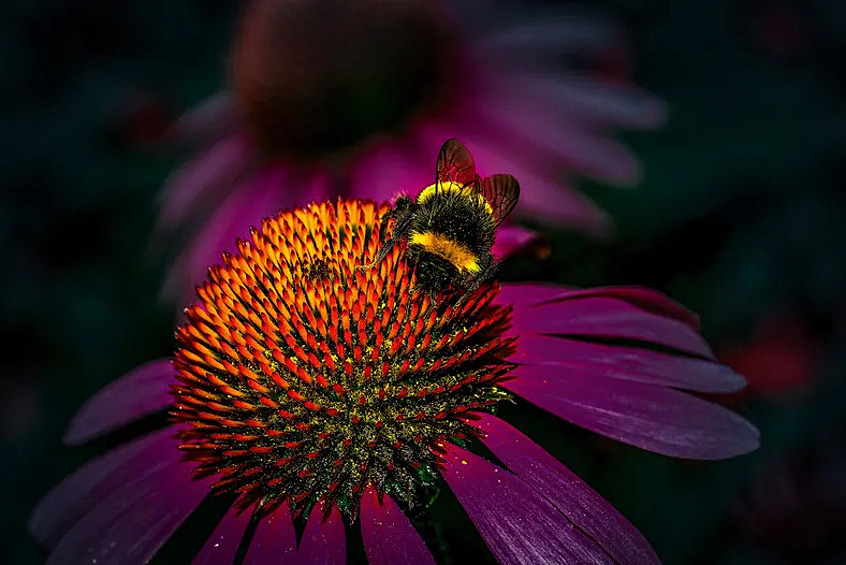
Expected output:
(454, 188)
(452, 251)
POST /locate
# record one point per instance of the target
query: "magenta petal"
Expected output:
(582, 505)
(78, 493)
(628, 363)
(142, 391)
(388, 535)
(323, 541)
(133, 522)
(510, 239)
(524, 295)
(275, 540)
(655, 418)
(609, 318)
(222, 545)
(644, 298)
(516, 521)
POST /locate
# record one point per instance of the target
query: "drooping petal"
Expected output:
(141, 392)
(222, 545)
(609, 318)
(551, 31)
(537, 132)
(581, 504)
(78, 493)
(244, 208)
(216, 171)
(323, 542)
(210, 119)
(135, 519)
(624, 362)
(653, 417)
(540, 195)
(275, 540)
(516, 521)
(591, 101)
(388, 535)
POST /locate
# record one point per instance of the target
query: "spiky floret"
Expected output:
(303, 378)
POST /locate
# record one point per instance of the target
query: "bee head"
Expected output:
(434, 273)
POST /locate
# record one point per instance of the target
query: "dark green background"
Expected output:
(741, 214)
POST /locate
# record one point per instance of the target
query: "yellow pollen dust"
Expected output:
(452, 251)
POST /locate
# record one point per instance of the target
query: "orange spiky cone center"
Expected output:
(303, 378)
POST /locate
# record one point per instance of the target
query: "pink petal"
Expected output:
(628, 363)
(644, 298)
(142, 391)
(510, 239)
(78, 493)
(211, 118)
(222, 545)
(539, 195)
(550, 32)
(388, 535)
(275, 540)
(244, 208)
(214, 172)
(516, 521)
(133, 522)
(609, 318)
(581, 98)
(389, 168)
(323, 542)
(534, 130)
(653, 417)
(573, 498)
(525, 295)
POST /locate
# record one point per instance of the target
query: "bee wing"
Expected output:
(501, 192)
(455, 164)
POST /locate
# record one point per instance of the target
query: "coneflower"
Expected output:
(310, 390)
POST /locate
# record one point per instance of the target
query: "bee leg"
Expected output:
(383, 252)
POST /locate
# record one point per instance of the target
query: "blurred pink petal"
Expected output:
(371, 117)
(133, 522)
(510, 239)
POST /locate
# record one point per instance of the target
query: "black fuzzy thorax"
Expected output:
(460, 218)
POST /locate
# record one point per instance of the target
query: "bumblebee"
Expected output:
(451, 225)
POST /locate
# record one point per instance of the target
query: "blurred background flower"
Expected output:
(739, 215)
(352, 98)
